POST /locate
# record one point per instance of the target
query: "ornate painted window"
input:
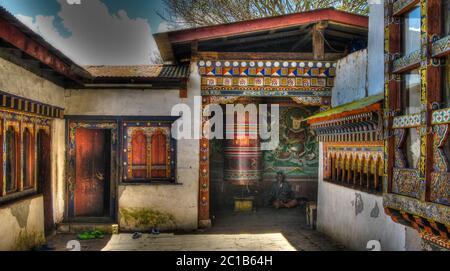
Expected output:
(11, 160)
(28, 158)
(19, 174)
(138, 155)
(411, 31)
(410, 103)
(150, 151)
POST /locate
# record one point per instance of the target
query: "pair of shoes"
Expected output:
(137, 235)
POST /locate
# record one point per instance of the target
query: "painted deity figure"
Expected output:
(281, 195)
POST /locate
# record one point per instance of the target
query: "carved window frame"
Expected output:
(149, 128)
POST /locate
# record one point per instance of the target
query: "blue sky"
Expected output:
(94, 32)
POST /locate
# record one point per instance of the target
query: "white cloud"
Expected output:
(163, 27)
(97, 37)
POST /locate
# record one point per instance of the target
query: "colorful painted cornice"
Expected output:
(441, 47)
(267, 78)
(407, 61)
(401, 6)
(407, 121)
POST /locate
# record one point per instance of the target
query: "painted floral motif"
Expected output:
(440, 188)
(441, 116)
(441, 132)
(407, 121)
(406, 182)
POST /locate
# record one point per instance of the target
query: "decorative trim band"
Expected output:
(406, 62)
(19, 104)
(266, 82)
(267, 75)
(269, 64)
(407, 121)
(441, 116)
(401, 6)
(441, 47)
(428, 210)
(267, 93)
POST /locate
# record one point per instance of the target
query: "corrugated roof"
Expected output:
(353, 106)
(141, 71)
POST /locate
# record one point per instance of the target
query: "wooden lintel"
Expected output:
(264, 56)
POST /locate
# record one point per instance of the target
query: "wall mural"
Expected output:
(297, 154)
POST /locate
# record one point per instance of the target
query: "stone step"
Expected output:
(74, 228)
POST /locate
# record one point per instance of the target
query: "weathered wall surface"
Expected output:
(351, 79)
(178, 201)
(18, 81)
(22, 224)
(58, 156)
(354, 218)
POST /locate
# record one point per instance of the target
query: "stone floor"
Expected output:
(265, 230)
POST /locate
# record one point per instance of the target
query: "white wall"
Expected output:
(351, 79)
(181, 201)
(18, 81)
(353, 218)
(22, 224)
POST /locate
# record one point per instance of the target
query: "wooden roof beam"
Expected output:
(318, 40)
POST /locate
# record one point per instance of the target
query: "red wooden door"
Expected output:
(159, 156)
(92, 178)
(45, 182)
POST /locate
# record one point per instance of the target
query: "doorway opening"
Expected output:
(93, 190)
(235, 165)
(44, 177)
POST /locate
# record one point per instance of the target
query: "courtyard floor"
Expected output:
(264, 230)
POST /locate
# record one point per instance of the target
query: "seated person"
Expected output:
(281, 195)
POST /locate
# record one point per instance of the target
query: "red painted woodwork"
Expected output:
(159, 155)
(139, 155)
(16, 37)
(44, 177)
(12, 167)
(211, 32)
(92, 177)
(28, 159)
(243, 155)
(1, 168)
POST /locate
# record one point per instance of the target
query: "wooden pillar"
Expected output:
(318, 41)
(204, 220)
(431, 90)
(392, 89)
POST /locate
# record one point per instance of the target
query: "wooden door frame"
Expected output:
(72, 124)
(47, 131)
